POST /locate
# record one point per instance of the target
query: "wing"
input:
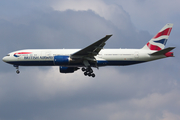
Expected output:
(92, 50)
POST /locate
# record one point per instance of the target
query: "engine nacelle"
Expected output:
(67, 69)
(61, 60)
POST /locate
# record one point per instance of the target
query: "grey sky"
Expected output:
(139, 92)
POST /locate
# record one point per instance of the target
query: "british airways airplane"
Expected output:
(70, 60)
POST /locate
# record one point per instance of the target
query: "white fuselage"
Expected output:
(111, 57)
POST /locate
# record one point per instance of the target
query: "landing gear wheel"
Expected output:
(83, 69)
(93, 75)
(89, 74)
(17, 71)
(85, 73)
(88, 71)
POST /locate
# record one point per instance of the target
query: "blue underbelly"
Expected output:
(51, 63)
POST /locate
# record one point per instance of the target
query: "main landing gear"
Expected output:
(17, 67)
(88, 72)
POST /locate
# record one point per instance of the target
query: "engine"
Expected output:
(61, 60)
(67, 69)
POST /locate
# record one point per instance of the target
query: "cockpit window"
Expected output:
(8, 55)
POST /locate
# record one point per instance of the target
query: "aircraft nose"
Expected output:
(4, 59)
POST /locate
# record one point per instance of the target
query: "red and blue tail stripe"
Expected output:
(164, 32)
(159, 41)
(153, 47)
(163, 41)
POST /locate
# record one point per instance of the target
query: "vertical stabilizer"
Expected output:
(158, 42)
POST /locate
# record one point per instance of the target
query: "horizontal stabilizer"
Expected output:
(164, 51)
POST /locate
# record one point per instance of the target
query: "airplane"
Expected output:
(94, 55)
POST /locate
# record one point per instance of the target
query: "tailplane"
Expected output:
(158, 42)
(165, 52)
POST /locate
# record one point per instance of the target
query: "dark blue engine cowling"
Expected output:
(61, 60)
(67, 69)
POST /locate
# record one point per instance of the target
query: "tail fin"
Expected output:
(158, 42)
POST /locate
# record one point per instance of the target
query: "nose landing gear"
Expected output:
(17, 71)
(17, 67)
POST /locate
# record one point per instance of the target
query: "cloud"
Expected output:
(110, 12)
(145, 91)
(151, 15)
(105, 97)
(170, 116)
(98, 6)
(156, 100)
